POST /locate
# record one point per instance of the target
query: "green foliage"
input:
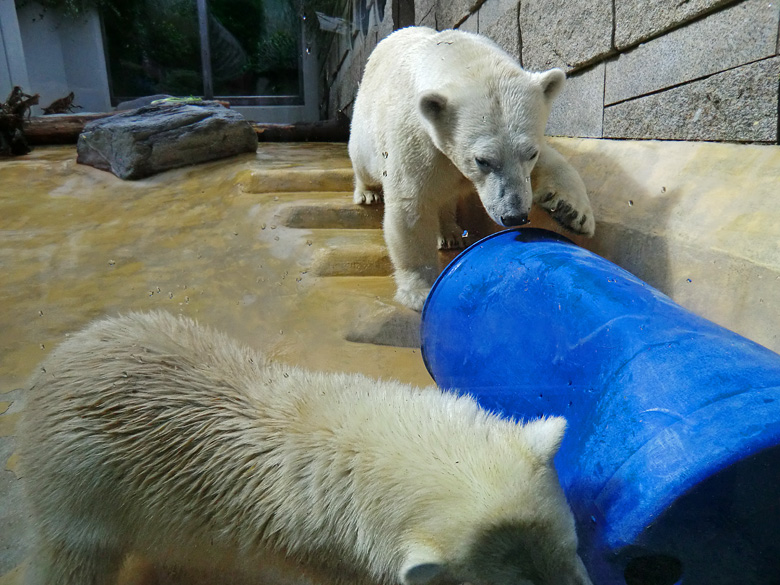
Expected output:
(279, 50)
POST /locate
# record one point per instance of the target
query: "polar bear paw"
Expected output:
(577, 217)
(367, 197)
(451, 238)
(413, 287)
(414, 298)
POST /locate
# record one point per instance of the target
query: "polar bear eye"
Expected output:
(484, 165)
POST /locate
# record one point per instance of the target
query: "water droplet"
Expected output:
(124, 375)
(43, 346)
(384, 154)
(308, 50)
(158, 289)
(170, 295)
(528, 179)
(276, 238)
(111, 262)
(273, 227)
(689, 280)
(262, 226)
(630, 203)
(308, 242)
(465, 234)
(384, 173)
(663, 189)
(40, 313)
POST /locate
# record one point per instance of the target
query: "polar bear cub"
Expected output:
(439, 114)
(151, 435)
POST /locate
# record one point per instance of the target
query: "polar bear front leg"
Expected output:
(365, 192)
(558, 189)
(450, 233)
(411, 236)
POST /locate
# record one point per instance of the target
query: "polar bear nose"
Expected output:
(513, 220)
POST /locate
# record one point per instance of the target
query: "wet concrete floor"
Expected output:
(266, 247)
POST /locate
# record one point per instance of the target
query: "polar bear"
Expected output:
(439, 114)
(151, 435)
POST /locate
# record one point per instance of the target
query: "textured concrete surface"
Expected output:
(502, 29)
(561, 33)
(736, 105)
(495, 12)
(741, 34)
(579, 109)
(269, 248)
(471, 24)
(449, 13)
(637, 20)
(425, 13)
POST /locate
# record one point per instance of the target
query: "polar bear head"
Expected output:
(516, 528)
(491, 127)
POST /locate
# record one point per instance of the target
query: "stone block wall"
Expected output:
(641, 69)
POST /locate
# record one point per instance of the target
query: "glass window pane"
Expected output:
(255, 47)
(153, 47)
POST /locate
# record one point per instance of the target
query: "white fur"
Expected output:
(429, 106)
(148, 434)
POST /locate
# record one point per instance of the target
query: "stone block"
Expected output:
(579, 110)
(737, 105)
(494, 10)
(452, 12)
(565, 34)
(425, 13)
(504, 30)
(471, 24)
(741, 34)
(139, 143)
(638, 20)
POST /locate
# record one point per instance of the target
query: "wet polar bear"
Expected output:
(149, 434)
(439, 114)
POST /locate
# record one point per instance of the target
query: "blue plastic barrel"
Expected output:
(671, 461)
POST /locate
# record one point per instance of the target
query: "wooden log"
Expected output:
(326, 131)
(58, 129)
(65, 129)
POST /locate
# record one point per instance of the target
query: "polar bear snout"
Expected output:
(514, 220)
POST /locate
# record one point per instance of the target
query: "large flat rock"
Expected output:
(155, 138)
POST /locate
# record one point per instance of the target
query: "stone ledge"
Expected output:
(332, 215)
(290, 180)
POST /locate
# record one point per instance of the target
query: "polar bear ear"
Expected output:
(543, 436)
(552, 82)
(422, 565)
(432, 105)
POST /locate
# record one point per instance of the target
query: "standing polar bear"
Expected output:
(439, 114)
(148, 434)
